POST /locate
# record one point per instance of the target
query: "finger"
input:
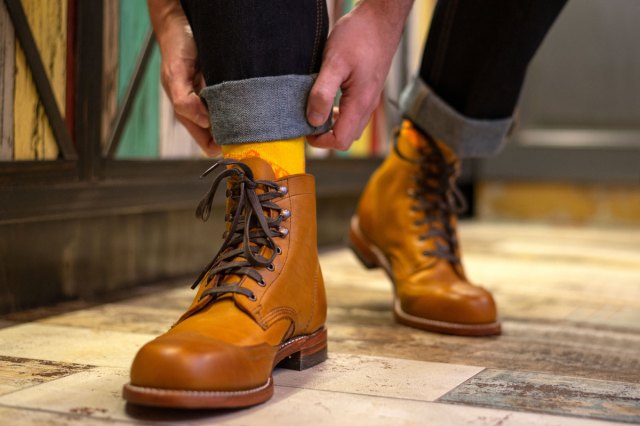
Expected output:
(323, 92)
(326, 140)
(202, 136)
(191, 107)
(354, 116)
(182, 91)
(313, 139)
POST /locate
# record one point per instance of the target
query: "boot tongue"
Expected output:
(261, 169)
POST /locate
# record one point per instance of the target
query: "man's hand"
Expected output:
(179, 72)
(356, 59)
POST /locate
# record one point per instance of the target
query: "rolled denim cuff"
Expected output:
(467, 137)
(260, 109)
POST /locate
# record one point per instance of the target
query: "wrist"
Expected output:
(391, 14)
(167, 19)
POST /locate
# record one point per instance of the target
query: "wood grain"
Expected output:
(19, 373)
(110, 67)
(33, 136)
(7, 76)
(551, 394)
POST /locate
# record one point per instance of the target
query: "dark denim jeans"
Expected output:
(259, 59)
(241, 39)
(475, 61)
(477, 52)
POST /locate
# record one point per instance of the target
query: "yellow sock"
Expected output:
(286, 157)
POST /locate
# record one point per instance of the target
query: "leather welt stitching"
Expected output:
(201, 393)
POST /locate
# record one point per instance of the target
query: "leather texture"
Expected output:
(389, 224)
(230, 343)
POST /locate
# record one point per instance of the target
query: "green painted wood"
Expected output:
(141, 135)
(550, 394)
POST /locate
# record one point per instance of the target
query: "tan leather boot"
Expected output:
(260, 302)
(406, 224)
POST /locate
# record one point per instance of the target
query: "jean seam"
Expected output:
(316, 42)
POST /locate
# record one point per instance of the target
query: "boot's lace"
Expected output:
(249, 231)
(437, 195)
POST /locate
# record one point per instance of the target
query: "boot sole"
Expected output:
(298, 353)
(372, 257)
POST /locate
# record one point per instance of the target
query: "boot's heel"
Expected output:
(313, 352)
(360, 247)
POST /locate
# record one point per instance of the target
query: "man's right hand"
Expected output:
(356, 60)
(179, 73)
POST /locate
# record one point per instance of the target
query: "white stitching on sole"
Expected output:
(198, 393)
(398, 309)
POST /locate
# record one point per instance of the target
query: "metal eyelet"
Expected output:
(261, 283)
(283, 190)
(278, 250)
(253, 298)
(270, 267)
(285, 214)
(283, 231)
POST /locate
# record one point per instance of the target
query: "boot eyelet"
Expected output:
(285, 214)
(278, 250)
(283, 231)
(270, 267)
(261, 283)
(283, 190)
(252, 297)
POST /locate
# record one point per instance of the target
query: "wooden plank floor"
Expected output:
(569, 299)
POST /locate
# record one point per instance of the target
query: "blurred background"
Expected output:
(98, 181)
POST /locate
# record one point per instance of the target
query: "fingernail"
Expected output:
(315, 118)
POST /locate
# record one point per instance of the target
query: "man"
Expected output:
(261, 301)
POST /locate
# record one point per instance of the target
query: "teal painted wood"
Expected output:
(551, 394)
(141, 136)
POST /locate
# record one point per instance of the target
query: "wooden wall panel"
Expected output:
(7, 75)
(110, 73)
(140, 138)
(33, 137)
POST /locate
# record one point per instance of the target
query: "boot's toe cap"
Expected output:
(459, 302)
(190, 361)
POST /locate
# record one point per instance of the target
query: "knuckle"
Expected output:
(321, 93)
(181, 104)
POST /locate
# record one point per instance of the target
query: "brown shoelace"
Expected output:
(250, 229)
(438, 197)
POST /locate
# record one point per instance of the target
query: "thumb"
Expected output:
(324, 90)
